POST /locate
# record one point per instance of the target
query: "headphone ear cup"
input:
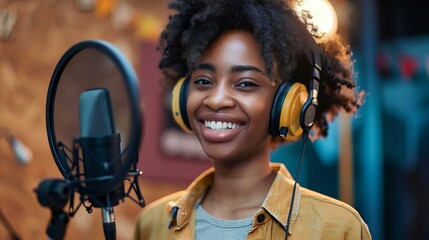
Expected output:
(179, 99)
(286, 110)
(276, 108)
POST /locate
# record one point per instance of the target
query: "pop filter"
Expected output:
(91, 65)
(94, 124)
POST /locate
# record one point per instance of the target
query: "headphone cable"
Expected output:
(304, 138)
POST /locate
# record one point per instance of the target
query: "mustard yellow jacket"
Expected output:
(314, 216)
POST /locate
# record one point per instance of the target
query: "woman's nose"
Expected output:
(219, 97)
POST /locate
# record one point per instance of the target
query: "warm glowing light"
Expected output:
(324, 15)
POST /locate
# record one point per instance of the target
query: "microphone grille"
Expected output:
(96, 117)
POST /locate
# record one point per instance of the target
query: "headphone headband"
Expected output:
(308, 112)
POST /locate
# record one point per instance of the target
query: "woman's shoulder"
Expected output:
(153, 220)
(325, 209)
(325, 202)
(164, 203)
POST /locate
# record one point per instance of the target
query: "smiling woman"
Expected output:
(242, 70)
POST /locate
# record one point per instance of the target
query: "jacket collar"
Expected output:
(280, 192)
(182, 212)
(277, 202)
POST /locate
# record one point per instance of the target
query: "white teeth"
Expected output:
(212, 125)
(220, 125)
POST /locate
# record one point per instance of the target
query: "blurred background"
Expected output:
(377, 160)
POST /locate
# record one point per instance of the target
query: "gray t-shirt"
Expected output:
(208, 227)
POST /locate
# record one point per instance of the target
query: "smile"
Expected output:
(218, 125)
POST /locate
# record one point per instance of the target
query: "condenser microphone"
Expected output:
(96, 156)
(101, 152)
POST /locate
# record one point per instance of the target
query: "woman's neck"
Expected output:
(238, 190)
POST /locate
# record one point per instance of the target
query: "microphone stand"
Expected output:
(6, 133)
(58, 224)
(54, 193)
(6, 224)
(109, 226)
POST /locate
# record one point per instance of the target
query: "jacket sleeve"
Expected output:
(365, 235)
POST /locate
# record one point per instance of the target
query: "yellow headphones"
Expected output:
(286, 110)
(179, 98)
(293, 110)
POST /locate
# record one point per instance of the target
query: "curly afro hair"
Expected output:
(283, 36)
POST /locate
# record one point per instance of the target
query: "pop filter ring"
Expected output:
(131, 84)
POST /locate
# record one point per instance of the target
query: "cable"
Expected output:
(304, 138)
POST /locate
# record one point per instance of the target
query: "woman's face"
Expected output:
(230, 99)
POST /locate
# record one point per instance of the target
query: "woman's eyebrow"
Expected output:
(244, 68)
(206, 66)
(234, 69)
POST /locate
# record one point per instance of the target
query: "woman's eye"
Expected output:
(247, 84)
(202, 82)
